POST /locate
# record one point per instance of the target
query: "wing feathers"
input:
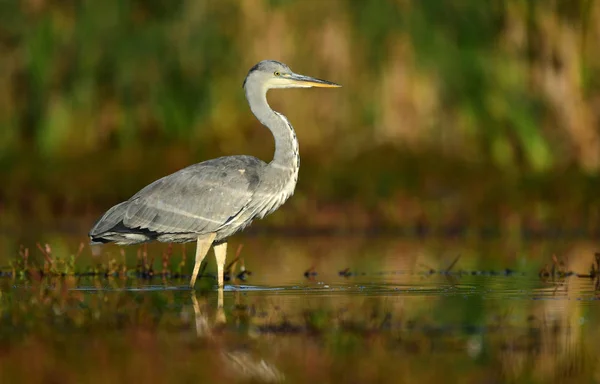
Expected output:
(198, 199)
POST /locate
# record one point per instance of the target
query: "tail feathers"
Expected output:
(112, 218)
(110, 228)
(121, 238)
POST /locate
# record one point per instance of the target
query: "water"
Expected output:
(313, 309)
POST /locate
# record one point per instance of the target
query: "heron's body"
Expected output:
(156, 213)
(210, 201)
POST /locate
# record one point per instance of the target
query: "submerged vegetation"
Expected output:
(171, 272)
(23, 269)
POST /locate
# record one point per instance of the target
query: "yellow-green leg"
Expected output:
(202, 246)
(220, 255)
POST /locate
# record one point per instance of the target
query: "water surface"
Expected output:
(321, 309)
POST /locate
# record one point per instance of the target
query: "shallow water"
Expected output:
(321, 309)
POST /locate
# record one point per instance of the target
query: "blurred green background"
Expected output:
(482, 114)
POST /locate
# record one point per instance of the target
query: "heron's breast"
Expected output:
(285, 191)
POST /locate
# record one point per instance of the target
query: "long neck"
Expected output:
(286, 144)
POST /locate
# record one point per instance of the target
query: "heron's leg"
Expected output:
(202, 246)
(220, 255)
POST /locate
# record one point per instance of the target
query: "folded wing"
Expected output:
(198, 199)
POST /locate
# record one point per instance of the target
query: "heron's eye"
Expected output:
(277, 73)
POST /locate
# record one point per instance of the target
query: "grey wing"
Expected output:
(198, 199)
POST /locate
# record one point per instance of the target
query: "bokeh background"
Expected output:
(475, 119)
(453, 114)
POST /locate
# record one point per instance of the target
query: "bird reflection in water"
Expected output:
(240, 363)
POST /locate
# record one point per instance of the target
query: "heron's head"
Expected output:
(273, 74)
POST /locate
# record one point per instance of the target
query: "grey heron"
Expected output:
(212, 200)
